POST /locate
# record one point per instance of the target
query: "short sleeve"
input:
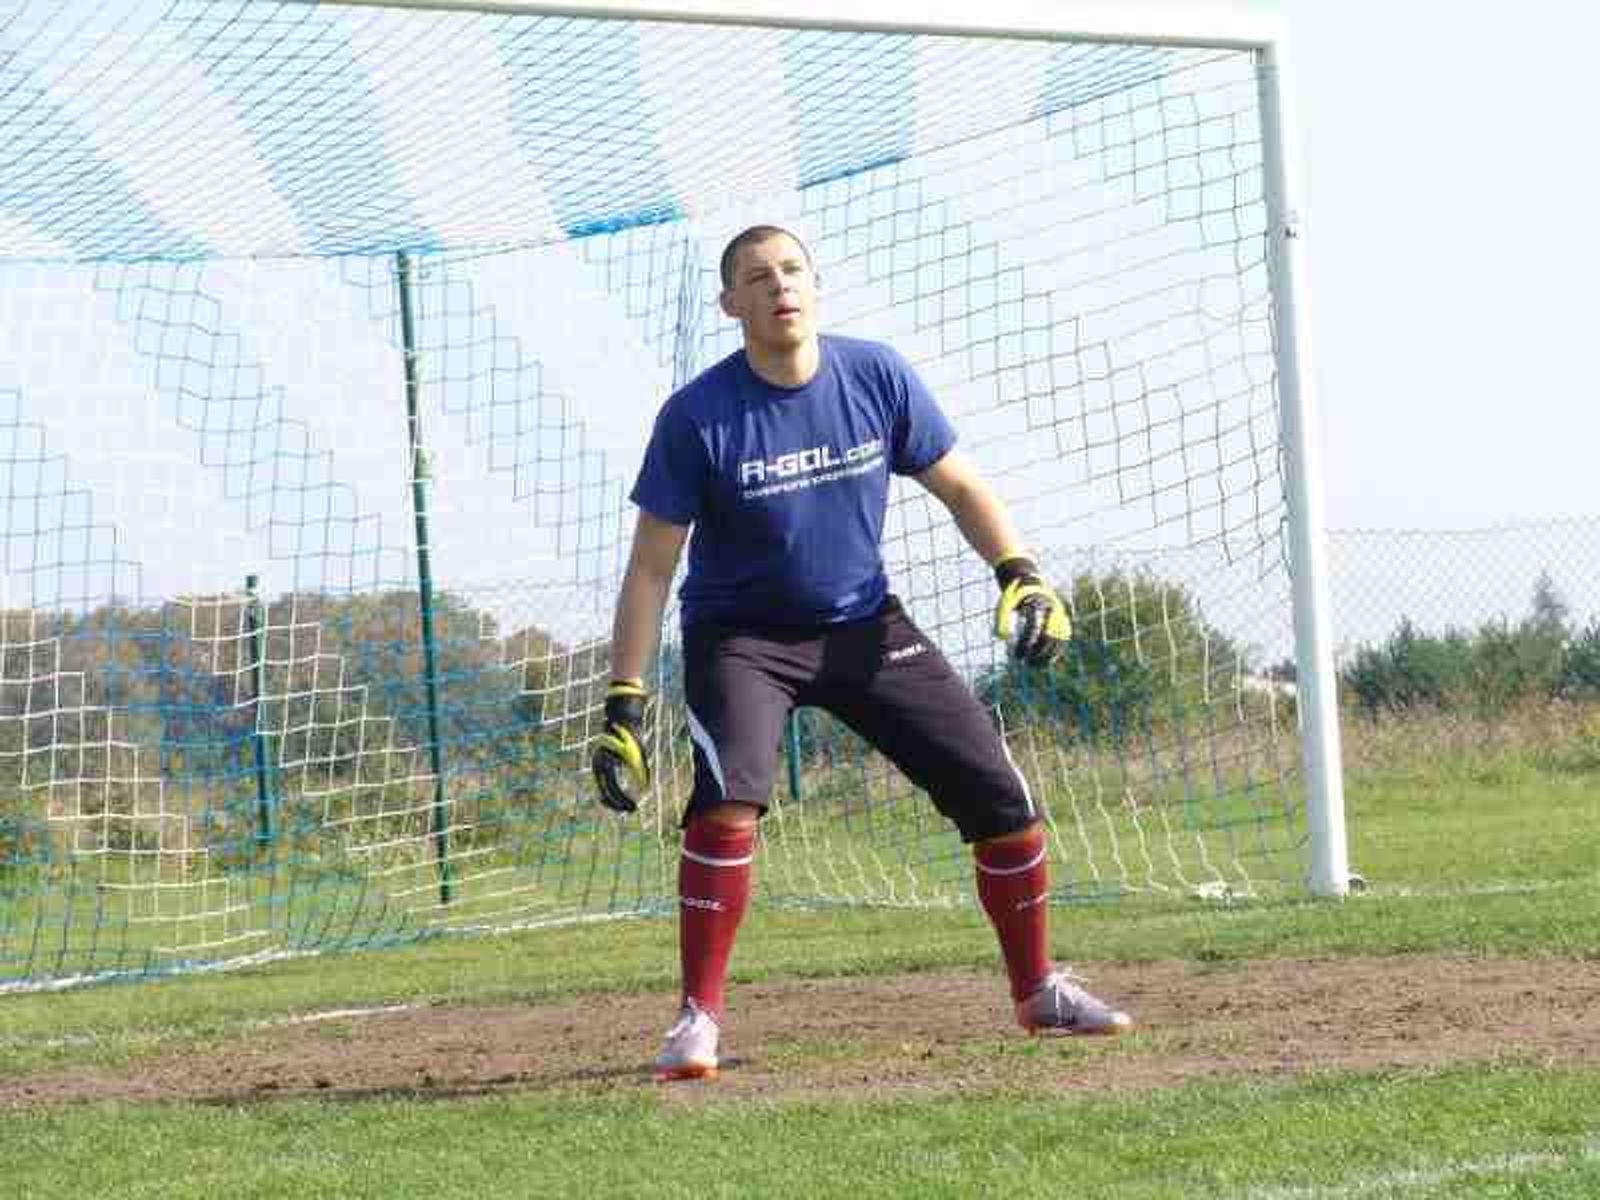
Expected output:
(672, 479)
(922, 433)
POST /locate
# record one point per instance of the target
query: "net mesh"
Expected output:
(224, 731)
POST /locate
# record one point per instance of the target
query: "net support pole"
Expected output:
(792, 742)
(258, 684)
(440, 817)
(1316, 698)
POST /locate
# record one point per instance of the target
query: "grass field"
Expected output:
(1479, 867)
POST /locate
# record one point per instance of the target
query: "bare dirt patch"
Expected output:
(923, 1034)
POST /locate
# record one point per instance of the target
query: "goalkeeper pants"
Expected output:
(882, 677)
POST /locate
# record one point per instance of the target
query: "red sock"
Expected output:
(713, 890)
(1013, 887)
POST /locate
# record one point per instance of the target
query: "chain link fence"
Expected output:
(1464, 642)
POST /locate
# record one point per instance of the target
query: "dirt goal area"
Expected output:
(880, 1036)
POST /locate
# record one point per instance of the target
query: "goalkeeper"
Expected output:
(778, 457)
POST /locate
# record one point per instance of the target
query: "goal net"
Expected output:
(332, 337)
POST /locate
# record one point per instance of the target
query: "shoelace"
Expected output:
(689, 1014)
(1066, 992)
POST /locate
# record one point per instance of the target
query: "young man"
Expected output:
(779, 458)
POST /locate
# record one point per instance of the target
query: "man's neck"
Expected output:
(790, 367)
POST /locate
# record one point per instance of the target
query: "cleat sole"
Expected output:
(1069, 1031)
(682, 1074)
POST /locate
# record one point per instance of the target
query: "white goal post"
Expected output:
(370, 305)
(1241, 25)
(1255, 26)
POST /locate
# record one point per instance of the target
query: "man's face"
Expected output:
(773, 294)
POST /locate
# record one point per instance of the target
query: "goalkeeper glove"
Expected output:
(1030, 606)
(619, 751)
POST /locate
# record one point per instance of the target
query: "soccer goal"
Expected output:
(333, 335)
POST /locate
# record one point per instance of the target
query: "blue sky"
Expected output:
(1451, 187)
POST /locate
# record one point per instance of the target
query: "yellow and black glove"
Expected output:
(1030, 616)
(619, 751)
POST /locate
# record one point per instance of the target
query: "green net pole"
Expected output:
(794, 755)
(419, 504)
(258, 678)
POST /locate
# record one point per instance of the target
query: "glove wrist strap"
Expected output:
(1017, 566)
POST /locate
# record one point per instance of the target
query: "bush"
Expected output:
(1580, 671)
(1487, 672)
(1141, 658)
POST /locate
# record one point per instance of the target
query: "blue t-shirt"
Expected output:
(787, 487)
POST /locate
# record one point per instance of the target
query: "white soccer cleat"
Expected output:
(690, 1051)
(1060, 1008)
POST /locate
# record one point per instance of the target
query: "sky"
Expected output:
(1447, 191)
(1451, 184)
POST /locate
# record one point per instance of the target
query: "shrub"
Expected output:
(1141, 657)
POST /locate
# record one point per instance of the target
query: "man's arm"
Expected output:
(1030, 617)
(652, 562)
(979, 513)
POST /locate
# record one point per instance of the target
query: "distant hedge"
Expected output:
(1487, 671)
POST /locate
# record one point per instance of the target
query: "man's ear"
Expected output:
(725, 299)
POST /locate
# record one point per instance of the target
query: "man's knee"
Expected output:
(728, 815)
(1027, 832)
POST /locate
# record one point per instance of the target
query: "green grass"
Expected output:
(1500, 1132)
(107, 914)
(1498, 862)
(1484, 833)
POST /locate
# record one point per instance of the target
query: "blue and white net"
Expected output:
(206, 209)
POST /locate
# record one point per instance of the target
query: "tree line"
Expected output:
(98, 708)
(1485, 671)
(179, 680)
(177, 685)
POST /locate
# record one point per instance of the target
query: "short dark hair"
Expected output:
(756, 233)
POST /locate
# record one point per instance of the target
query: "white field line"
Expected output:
(1400, 1183)
(332, 1014)
(1507, 888)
